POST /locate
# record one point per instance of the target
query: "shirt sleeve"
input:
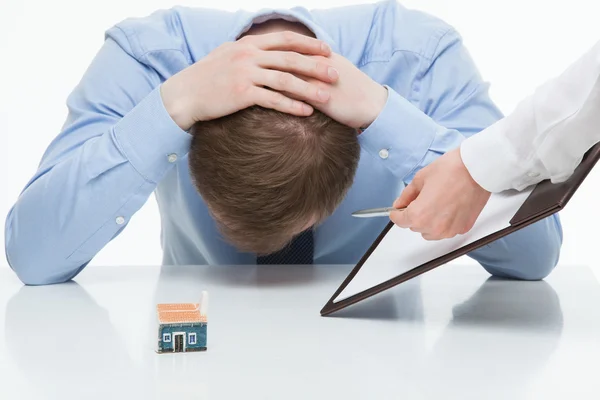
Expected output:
(547, 134)
(450, 103)
(117, 143)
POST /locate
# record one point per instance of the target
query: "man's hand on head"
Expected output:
(442, 201)
(255, 70)
(356, 99)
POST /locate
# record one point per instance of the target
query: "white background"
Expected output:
(45, 47)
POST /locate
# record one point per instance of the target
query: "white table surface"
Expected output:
(450, 334)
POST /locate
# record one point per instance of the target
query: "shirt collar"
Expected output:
(246, 19)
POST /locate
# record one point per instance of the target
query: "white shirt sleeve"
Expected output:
(547, 134)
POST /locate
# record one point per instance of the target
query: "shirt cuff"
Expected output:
(150, 139)
(490, 159)
(400, 136)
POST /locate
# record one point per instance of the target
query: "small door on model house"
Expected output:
(179, 342)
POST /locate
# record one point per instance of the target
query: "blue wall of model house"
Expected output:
(199, 329)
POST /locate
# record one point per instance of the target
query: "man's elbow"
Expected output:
(544, 256)
(535, 252)
(35, 268)
(539, 263)
(539, 266)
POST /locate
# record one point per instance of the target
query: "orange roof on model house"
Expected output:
(178, 307)
(182, 313)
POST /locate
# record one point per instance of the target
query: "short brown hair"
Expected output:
(265, 174)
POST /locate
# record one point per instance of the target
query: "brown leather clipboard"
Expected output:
(546, 199)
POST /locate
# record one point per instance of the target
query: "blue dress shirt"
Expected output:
(119, 145)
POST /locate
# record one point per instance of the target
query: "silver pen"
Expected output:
(376, 212)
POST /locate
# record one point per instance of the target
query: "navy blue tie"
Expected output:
(299, 251)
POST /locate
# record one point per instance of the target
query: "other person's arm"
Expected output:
(547, 134)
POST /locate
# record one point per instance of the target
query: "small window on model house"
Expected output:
(192, 338)
(166, 337)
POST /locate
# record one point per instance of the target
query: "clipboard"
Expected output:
(543, 201)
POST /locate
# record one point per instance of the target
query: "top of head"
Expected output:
(266, 175)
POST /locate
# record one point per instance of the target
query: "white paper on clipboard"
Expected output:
(402, 249)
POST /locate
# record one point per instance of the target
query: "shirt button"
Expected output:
(120, 220)
(172, 158)
(384, 153)
(533, 174)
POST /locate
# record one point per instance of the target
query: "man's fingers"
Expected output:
(286, 82)
(292, 41)
(274, 100)
(408, 195)
(298, 64)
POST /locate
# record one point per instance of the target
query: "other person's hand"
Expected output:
(356, 99)
(442, 201)
(237, 75)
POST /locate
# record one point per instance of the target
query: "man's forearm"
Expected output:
(401, 136)
(448, 102)
(73, 208)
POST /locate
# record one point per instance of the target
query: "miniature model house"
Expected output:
(182, 327)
